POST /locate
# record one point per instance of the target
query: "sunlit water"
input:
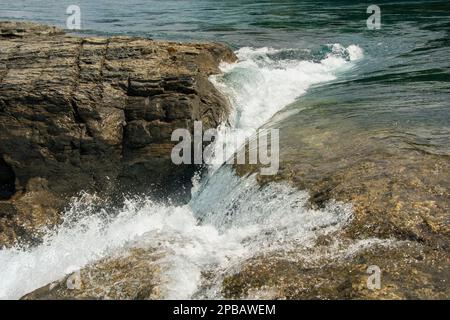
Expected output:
(229, 218)
(395, 79)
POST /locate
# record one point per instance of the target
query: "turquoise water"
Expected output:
(317, 61)
(403, 80)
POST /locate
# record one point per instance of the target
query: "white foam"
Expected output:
(260, 84)
(225, 224)
(228, 220)
(355, 52)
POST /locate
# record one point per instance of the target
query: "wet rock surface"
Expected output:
(132, 275)
(93, 114)
(407, 271)
(399, 194)
(399, 191)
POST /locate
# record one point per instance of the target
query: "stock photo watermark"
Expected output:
(73, 281)
(261, 146)
(374, 20)
(73, 21)
(374, 280)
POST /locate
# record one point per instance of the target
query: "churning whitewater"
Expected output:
(228, 220)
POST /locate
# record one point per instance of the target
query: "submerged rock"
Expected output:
(407, 271)
(94, 114)
(396, 190)
(332, 269)
(399, 189)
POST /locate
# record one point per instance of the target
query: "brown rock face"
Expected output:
(94, 114)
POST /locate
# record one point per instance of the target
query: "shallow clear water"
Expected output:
(314, 58)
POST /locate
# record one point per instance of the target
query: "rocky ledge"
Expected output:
(399, 194)
(91, 113)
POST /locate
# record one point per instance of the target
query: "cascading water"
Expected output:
(229, 218)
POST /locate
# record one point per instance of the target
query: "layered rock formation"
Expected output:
(94, 114)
